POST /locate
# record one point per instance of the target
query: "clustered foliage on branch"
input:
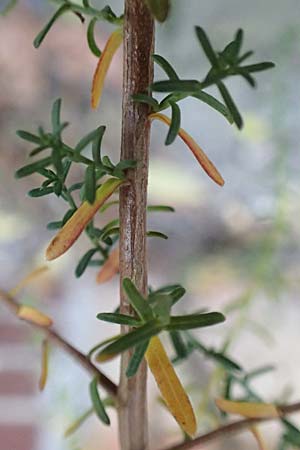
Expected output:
(89, 196)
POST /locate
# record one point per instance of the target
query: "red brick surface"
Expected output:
(17, 437)
(16, 383)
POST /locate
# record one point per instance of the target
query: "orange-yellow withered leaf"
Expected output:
(44, 365)
(259, 438)
(110, 268)
(35, 316)
(28, 279)
(248, 409)
(170, 386)
(110, 49)
(72, 229)
(199, 154)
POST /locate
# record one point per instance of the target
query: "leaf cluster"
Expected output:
(224, 64)
(84, 11)
(153, 315)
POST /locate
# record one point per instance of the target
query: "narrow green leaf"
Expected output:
(176, 291)
(55, 116)
(102, 344)
(144, 98)
(130, 339)
(175, 124)
(223, 360)
(136, 359)
(179, 344)
(214, 103)
(28, 136)
(38, 150)
(40, 192)
(33, 167)
(207, 47)
(230, 105)
(90, 184)
(42, 34)
(138, 302)
(191, 321)
(258, 67)
(57, 160)
(157, 234)
(87, 139)
(54, 225)
(190, 86)
(91, 38)
(160, 208)
(245, 56)
(121, 319)
(84, 261)
(166, 66)
(96, 145)
(97, 402)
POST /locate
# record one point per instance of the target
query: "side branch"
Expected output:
(79, 357)
(234, 427)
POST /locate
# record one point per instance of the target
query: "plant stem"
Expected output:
(137, 76)
(234, 427)
(79, 357)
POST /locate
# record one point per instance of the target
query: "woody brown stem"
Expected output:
(137, 76)
(52, 335)
(234, 427)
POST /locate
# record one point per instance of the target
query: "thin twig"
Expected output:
(105, 382)
(233, 427)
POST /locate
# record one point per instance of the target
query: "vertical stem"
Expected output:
(137, 75)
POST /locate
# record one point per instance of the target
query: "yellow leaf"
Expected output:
(33, 315)
(66, 237)
(247, 409)
(44, 365)
(170, 386)
(110, 268)
(259, 439)
(110, 49)
(199, 154)
(28, 279)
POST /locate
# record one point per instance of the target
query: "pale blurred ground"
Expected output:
(222, 242)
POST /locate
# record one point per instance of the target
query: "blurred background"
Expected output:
(235, 249)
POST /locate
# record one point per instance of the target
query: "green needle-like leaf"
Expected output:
(136, 359)
(130, 339)
(42, 34)
(90, 184)
(121, 319)
(230, 105)
(28, 136)
(144, 98)
(137, 301)
(97, 402)
(157, 234)
(179, 344)
(91, 38)
(160, 208)
(166, 66)
(191, 321)
(258, 67)
(88, 138)
(33, 167)
(207, 47)
(84, 261)
(175, 124)
(55, 116)
(180, 86)
(215, 104)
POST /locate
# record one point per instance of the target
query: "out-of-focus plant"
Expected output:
(144, 312)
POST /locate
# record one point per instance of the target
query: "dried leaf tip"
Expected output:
(110, 268)
(248, 409)
(72, 229)
(44, 365)
(199, 154)
(105, 59)
(33, 315)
